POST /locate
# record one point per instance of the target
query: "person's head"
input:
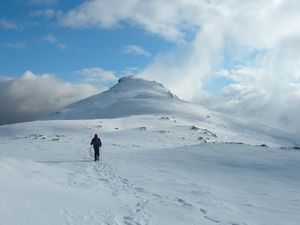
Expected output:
(96, 135)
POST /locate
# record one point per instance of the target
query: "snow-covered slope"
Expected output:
(131, 96)
(155, 171)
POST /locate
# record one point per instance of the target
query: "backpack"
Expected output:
(97, 141)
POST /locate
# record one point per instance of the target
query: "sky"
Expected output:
(238, 57)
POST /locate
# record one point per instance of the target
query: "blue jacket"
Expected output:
(96, 142)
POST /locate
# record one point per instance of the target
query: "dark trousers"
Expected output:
(96, 149)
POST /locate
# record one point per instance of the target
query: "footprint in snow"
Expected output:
(183, 202)
(212, 219)
(204, 211)
(138, 216)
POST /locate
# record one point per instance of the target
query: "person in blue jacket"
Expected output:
(96, 142)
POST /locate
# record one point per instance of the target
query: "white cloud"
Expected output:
(31, 96)
(46, 13)
(263, 97)
(259, 25)
(136, 50)
(18, 45)
(8, 25)
(183, 69)
(53, 40)
(42, 2)
(156, 16)
(97, 76)
(130, 71)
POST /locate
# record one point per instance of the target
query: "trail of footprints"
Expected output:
(100, 176)
(118, 186)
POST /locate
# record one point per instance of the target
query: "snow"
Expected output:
(158, 173)
(131, 96)
(187, 165)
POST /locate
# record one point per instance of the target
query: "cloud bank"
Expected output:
(31, 96)
(98, 77)
(260, 96)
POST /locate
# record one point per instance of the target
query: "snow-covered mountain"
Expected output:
(135, 96)
(165, 161)
(131, 96)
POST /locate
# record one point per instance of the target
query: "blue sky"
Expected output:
(27, 46)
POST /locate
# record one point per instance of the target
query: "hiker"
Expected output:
(96, 142)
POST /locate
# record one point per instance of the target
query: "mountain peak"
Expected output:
(131, 86)
(130, 96)
(122, 79)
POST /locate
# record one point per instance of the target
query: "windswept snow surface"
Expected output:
(156, 169)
